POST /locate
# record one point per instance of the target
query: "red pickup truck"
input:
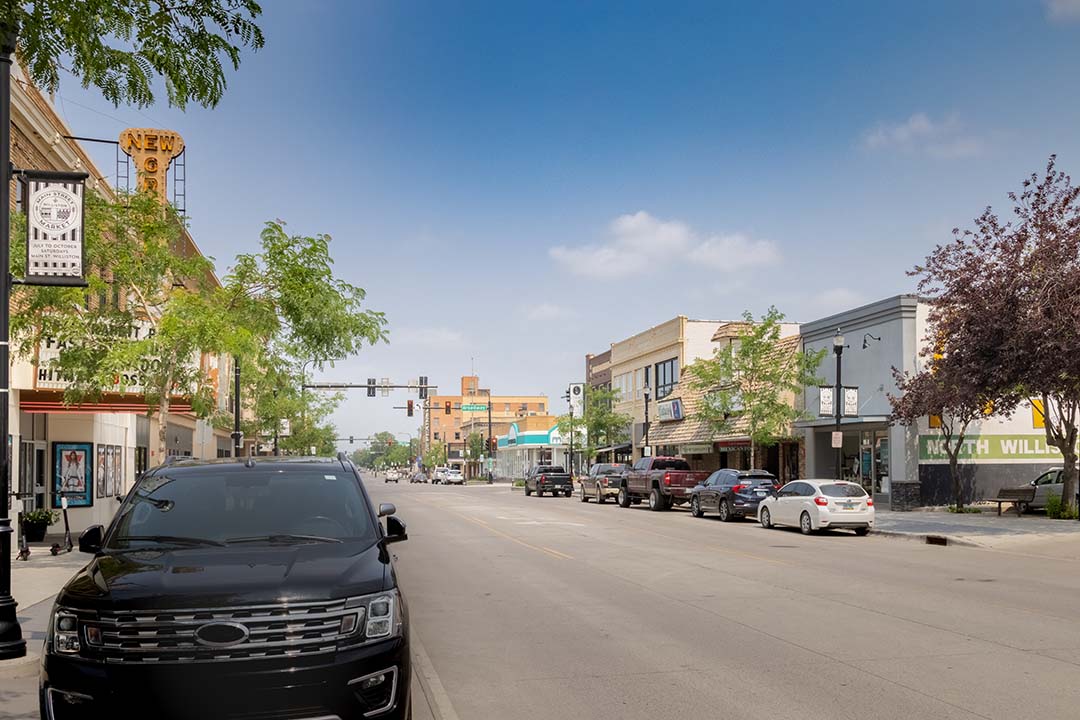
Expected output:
(664, 481)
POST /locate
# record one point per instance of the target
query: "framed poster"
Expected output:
(100, 472)
(107, 478)
(115, 469)
(73, 474)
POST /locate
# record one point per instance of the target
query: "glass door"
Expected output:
(881, 463)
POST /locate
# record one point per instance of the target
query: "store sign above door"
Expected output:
(670, 410)
(55, 210)
(826, 396)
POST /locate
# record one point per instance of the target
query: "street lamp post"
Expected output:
(647, 392)
(12, 644)
(838, 399)
(236, 434)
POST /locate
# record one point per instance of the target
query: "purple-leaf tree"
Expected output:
(1008, 294)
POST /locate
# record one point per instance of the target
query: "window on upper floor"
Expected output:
(667, 376)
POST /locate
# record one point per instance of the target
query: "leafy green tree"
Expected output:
(143, 324)
(476, 448)
(435, 455)
(123, 46)
(601, 426)
(756, 380)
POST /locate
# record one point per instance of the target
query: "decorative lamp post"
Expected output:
(838, 348)
(647, 392)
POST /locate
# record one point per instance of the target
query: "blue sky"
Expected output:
(516, 184)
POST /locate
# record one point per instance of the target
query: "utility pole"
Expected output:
(12, 644)
(838, 348)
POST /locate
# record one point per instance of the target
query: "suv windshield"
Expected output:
(843, 490)
(213, 505)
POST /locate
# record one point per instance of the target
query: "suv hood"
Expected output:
(238, 575)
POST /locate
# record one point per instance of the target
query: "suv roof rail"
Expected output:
(170, 459)
(342, 456)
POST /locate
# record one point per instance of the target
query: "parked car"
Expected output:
(602, 482)
(732, 493)
(819, 504)
(439, 476)
(1047, 484)
(454, 477)
(224, 588)
(548, 478)
(663, 481)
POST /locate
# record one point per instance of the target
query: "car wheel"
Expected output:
(656, 500)
(569, 492)
(528, 492)
(584, 497)
(862, 532)
(805, 524)
(725, 511)
(624, 498)
(765, 518)
(695, 507)
(539, 492)
(600, 497)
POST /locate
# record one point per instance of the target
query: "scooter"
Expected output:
(24, 546)
(67, 547)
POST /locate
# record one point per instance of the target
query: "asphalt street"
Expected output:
(547, 607)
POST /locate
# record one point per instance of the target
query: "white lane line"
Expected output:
(437, 697)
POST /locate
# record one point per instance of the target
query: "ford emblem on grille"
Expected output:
(221, 634)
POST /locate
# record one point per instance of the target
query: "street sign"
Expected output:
(474, 407)
(286, 428)
(837, 440)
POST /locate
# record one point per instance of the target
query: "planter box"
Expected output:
(35, 532)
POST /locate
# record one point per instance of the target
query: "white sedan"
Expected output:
(454, 477)
(818, 504)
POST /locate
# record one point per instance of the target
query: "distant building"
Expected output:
(450, 418)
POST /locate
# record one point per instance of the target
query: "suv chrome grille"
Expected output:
(273, 631)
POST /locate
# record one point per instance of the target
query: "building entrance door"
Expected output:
(32, 473)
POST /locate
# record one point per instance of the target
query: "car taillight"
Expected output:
(870, 502)
(821, 500)
(739, 488)
(605, 482)
(543, 478)
(667, 478)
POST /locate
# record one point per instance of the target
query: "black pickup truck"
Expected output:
(548, 478)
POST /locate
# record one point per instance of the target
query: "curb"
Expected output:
(928, 538)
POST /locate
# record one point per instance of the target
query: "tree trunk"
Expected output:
(954, 475)
(1061, 433)
(163, 427)
(1069, 476)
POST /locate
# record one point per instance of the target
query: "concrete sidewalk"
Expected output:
(985, 529)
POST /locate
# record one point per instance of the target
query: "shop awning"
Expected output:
(614, 448)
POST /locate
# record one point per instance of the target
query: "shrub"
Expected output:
(41, 515)
(1053, 507)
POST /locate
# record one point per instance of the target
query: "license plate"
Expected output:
(848, 506)
(761, 493)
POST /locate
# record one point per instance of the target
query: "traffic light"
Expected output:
(493, 445)
(350, 439)
(423, 388)
(408, 408)
(447, 407)
(371, 387)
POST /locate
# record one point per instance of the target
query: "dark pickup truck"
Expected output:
(664, 481)
(548, 478)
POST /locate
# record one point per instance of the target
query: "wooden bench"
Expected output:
(1017, 496)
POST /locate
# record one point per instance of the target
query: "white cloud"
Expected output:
(1063, 10)
(548, 311)
(427, 337)
(834, 300)
(641, 242)
(921, 134)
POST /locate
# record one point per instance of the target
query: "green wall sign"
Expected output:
(991, 447)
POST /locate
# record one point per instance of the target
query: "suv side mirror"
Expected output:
(386, 509)
(395, 530)
(91, 538)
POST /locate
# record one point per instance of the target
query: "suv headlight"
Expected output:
(376, 616)
(65, 632)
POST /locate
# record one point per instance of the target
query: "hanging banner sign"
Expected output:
(577, 399)
(851, 401)
(54, 205)
(825, 395)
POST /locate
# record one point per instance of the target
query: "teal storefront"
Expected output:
(521, 449)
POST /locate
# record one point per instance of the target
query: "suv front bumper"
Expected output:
(343, 685)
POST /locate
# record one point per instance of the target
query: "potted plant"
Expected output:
(36, 522)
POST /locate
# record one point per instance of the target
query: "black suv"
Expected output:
(732, 493)
(248, 589)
